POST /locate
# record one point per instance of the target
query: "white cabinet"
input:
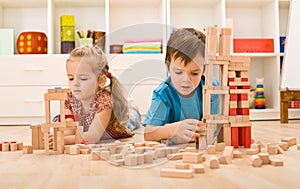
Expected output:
(136, 19)
(23, 81)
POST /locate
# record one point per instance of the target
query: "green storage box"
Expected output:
(6, 41)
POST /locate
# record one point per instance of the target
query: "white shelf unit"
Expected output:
(251, 19)
(142, 19)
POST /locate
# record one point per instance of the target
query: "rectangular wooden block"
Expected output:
(275, 161)
(177, 173)
(191, 157)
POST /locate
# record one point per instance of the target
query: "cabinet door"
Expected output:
(33, 70)
(24, 102)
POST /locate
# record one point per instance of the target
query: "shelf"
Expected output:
(185, 14)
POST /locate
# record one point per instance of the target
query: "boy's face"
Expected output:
(186, 78)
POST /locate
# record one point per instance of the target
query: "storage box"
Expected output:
(67, 20)
(282, 43)
(7, 41)
(67, 33)
(253, 45)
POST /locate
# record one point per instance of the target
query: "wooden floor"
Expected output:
(66, 171)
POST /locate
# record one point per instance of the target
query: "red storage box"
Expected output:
(253, 45)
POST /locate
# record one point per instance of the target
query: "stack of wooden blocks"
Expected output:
(233, 89)
(239, 105)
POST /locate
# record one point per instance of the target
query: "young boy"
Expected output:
(176, 107)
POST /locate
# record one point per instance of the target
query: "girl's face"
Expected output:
(186, 78)
(85, 82)
(71, 68)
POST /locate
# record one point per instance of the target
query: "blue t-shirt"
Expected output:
(168, 107)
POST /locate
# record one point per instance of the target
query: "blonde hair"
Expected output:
(96, 58)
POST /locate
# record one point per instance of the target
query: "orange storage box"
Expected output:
(32, 43)
(251, 45)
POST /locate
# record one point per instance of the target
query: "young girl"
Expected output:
(96, 95)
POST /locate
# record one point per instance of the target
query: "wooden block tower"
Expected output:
(217, 64)
(58, 127)
(233, 114)
(238, 105)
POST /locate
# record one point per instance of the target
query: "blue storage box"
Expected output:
(6, 41)
(282, 43)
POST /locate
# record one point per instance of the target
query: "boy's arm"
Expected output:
(157, 133)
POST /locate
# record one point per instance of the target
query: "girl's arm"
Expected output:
(98, 126)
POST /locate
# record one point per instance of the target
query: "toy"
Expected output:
(259, 94)
(32, 43)
(233, 91)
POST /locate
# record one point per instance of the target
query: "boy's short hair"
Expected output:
(185, 44)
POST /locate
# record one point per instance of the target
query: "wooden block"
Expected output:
(148, 157)
(198, 168)
(151, 143)
(13, 146)
(237, 154)
(255, 146)
(104, 155)
(35, 136)
(74, 150)
(220, 146)
(182, 166)
(191, 157)
(213, 163)
(272, 150)
(140, 159)
(298, 146)
(275, 161)
(260, 143)
(265, 158)
(211, 149)
(117, 162)
(256, 161)
(161, 152)
(139, 150)
(5, 146)
(85, 151)
(20, 145)
(228, 154)
(252, 151)
(139, 144)
(27, 149)
(280, 150)
(284, 145)
(176, 173)
(290, 140)
(190, 149)
(131, 160)
(95, 155)
(176, 156)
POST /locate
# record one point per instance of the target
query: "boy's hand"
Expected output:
(186, 131)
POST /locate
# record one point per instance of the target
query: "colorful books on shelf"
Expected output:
(148, 46)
